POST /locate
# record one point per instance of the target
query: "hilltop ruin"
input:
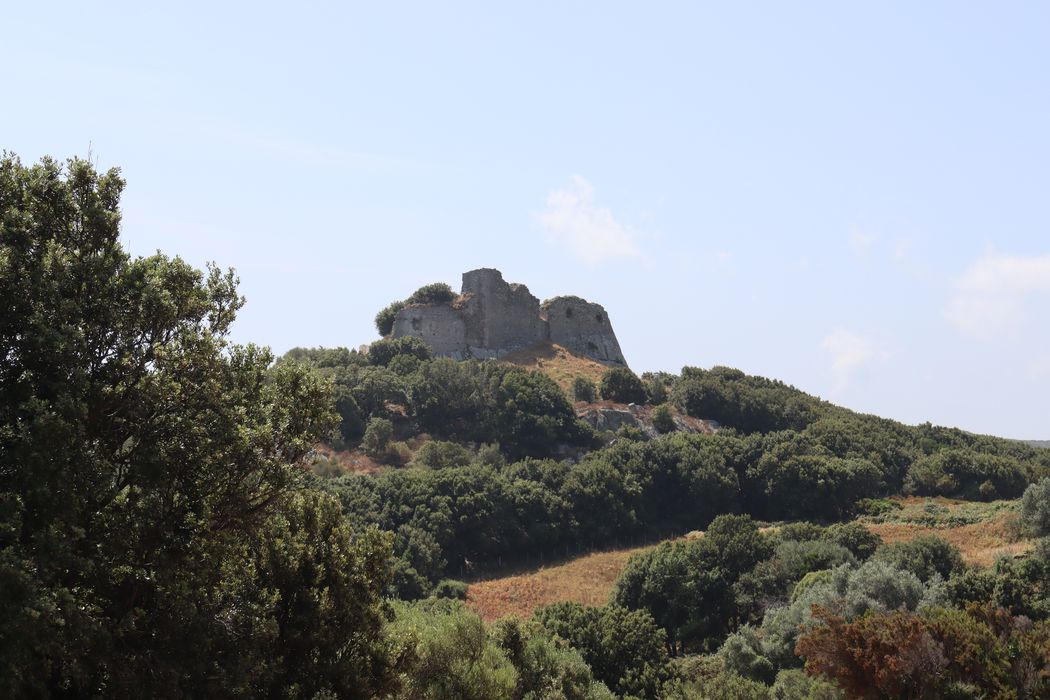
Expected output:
(492, 318)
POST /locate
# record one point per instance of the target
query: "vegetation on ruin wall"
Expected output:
(435, 293)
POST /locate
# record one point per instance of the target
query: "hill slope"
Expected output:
(983, 532)
(558, 363)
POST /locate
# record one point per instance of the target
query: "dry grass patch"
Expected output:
(983, 532)
(588, 580)
(980, 543)
(557, 363)
(347, 461)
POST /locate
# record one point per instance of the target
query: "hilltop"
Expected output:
(491, 318)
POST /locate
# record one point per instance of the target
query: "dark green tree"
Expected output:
(385, 318)
(583, 389)
(1035, 508)
(533, 416)
(923, 556)
(382, 352)
(452, 655)
(663, 419)
(687, 586)
(144, 462)
(623, 386)
(377, 436)
(624, 648)
(434, 293)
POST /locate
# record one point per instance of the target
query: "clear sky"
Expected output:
(853, 198)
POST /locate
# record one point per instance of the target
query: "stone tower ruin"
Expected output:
(491, 318)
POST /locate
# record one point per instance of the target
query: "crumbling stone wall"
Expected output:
(500, 315)
(582, 327)
(492, 318)
(440, 326)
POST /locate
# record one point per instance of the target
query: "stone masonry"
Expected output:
(492, 318)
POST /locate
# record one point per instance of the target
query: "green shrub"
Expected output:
(742, 655)
(729, 686)
(793, 479)
(802, 531)
(397, 453)
(630, 432)
(923, 556)
(801, 558)
(490, 455)
(658, 386)
(877, 506)
(547, 667)
(967, 474)
(858, 539)
(749, 404)
(583, 389)
(452, 655)
(623, 386)
(1035, 508)
(385, 318)
(625, 648)
(450, 588)
(808, 581)
(377, 436)
(438, 454)
(663, 419)
(326, 467)
(794, 684)
(381, 352)
(436, 293)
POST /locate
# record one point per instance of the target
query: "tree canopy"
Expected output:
(146, 472)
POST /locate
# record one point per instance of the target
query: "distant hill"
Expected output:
(1045, 444)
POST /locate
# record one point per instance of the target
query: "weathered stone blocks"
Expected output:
(492, 318)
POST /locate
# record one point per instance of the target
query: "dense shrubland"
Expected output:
(161, 533)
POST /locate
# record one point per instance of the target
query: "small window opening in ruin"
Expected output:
(599, 318)
(568, 313)
(417, 324)
(592, 347)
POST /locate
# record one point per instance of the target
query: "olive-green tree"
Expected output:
(143, 458)
(622, 385)
(583, 389)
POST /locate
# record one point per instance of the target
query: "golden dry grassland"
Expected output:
(557, 363)
(982, 531)
(588, 579)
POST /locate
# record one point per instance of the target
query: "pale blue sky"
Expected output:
(851, 199)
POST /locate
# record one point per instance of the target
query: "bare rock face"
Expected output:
(492, 318)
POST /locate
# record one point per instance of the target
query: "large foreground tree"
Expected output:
(150, 540)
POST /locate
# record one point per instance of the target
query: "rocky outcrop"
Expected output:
(612, 417)
(492, 318)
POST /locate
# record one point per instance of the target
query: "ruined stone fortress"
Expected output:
(492, 318)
